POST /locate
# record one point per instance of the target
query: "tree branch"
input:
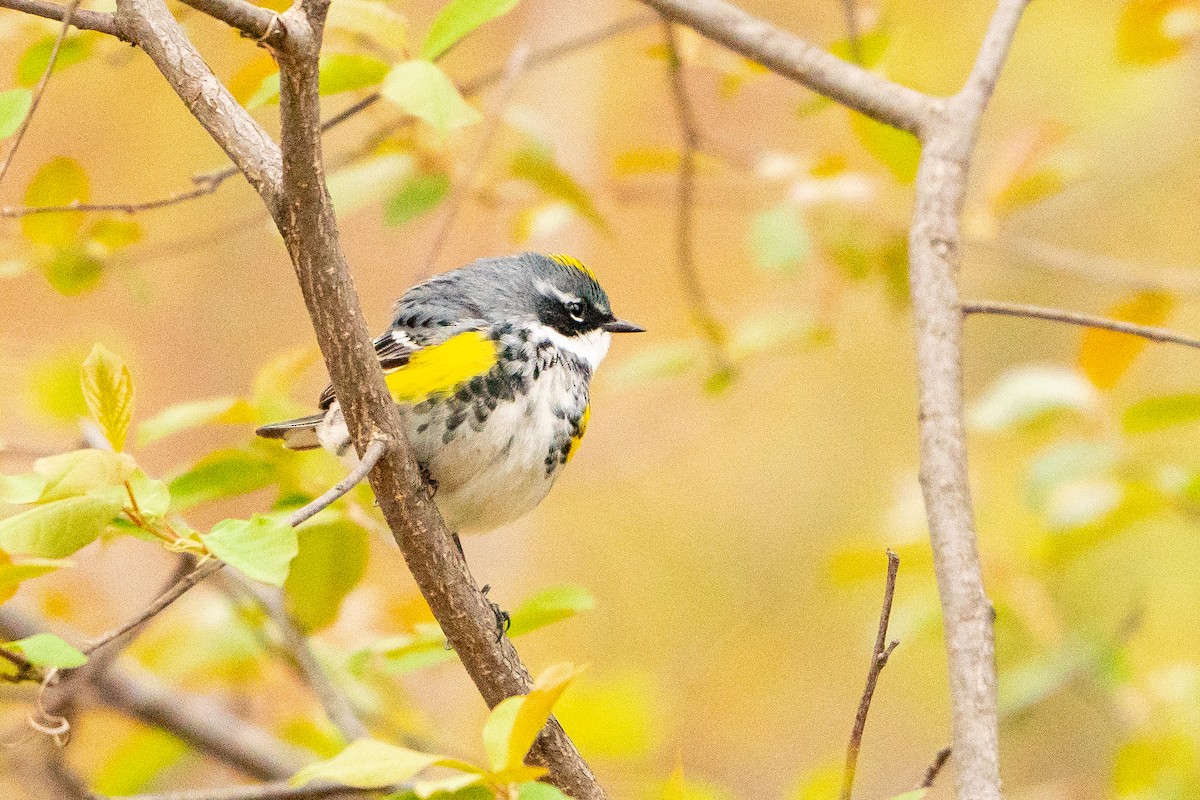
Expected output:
(879, 658)
(281, 790)
(934, 257)
(99, 21)
(1164, 335)
(199, 722)
(253, 21)
(794, 58)
(305, 219)
(935, 768)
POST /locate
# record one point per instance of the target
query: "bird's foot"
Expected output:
(503, 620)
(431, 485)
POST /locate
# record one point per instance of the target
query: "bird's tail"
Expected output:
(297, 434)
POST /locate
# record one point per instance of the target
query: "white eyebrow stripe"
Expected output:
(548, 289)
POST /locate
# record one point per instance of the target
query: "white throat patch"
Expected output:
(591, 347)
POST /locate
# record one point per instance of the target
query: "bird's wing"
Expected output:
(426, 360)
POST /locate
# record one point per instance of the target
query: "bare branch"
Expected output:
(935, 768)
(370, 457)
(196, 720)
(794, 58)
(336, 706)
(685, 257)
(253, 21)
(99, 21)
(879, 658)
(517, 63)
(281, 790)
(40, 89)
(205, 185)
(1165, 335)
(934, 259)
(306, 220)
(160, 603)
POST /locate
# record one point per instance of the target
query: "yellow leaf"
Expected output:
(371, 764)
(1104, 356)
(59, 182)
(898, 150)
(515, 723)
(108, 391)
(12, 573)
(370, 19)
(1152, 31)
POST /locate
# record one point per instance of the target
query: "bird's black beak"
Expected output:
(621, 326)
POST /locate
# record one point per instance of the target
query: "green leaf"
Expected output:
(514, 724)
(424, 647)
(536, 165)
(72, 270)
(1159, 413)
(898, 150)
(81, 472)
(108, 392)
(418, 195)
(457, 19)
(550, 606)
(345, 72)
(779, 239)
(181, 417)
(1024, 395)
(915, 794)
(423, 90)
(536, 790)
(332, 560)
(58, 529)
(32, 66)
(371, 764)
(225, 473)
(47, 650)
(19, 490)
(261, 547)
(14, 105)
(59, 182)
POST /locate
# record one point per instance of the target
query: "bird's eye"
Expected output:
(575, 309)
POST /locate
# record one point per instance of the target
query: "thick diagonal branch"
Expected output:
(792, 57)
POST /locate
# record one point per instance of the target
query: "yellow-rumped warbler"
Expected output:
(490, 365)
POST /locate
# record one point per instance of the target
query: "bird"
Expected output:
(490, 365)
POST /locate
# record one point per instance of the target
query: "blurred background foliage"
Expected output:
(724, 526)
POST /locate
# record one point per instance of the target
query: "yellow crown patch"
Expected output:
(571, 261)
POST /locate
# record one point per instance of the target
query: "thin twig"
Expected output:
(40, 89)
(281, 790)
(205, 185)
(879, 658)
(935, 768)
(209, 567)
(26, 671)
(685, 257)
(515, 68)
(1164, 335)
(337, 706)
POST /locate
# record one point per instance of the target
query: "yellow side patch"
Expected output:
(571, 261)
(577, 438)
(442, 367)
